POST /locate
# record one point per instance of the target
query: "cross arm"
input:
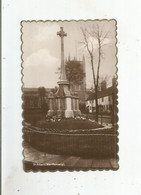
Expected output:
(61, 33)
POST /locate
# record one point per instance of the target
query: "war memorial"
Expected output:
(63, 103)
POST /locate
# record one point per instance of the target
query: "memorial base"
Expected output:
(63, 103)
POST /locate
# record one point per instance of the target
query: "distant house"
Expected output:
(106, 98)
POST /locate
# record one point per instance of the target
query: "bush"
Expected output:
(69, 124)
(33, 115)
(82, 108)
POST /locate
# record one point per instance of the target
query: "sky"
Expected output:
(41, 50)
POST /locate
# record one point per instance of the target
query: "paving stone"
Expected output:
(46, 159)
(71, 161)
(101, 163)
(32, 157)
(58, 159)
(82, 162)
(114, 163)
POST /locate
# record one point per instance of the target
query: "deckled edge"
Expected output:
(116, 105)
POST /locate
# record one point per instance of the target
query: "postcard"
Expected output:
(69, 90)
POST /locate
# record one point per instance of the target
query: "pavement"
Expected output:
(36, 160)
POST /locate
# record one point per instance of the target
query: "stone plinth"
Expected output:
(63, 103)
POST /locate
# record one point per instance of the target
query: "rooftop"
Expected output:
(108, 91)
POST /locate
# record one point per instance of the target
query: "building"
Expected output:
(32, 99)
(106, 98)
(80, 89)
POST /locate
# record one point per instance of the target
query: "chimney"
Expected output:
(103, 85)
(69, 58)
(113, 81)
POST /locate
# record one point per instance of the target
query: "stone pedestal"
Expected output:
(63, 103)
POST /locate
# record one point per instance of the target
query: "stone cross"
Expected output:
(62, 34)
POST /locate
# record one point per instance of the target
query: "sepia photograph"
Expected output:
(69, 93)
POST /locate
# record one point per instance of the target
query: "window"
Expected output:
(102, 99)
(109, 98)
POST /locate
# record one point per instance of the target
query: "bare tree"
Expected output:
(93, 40)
